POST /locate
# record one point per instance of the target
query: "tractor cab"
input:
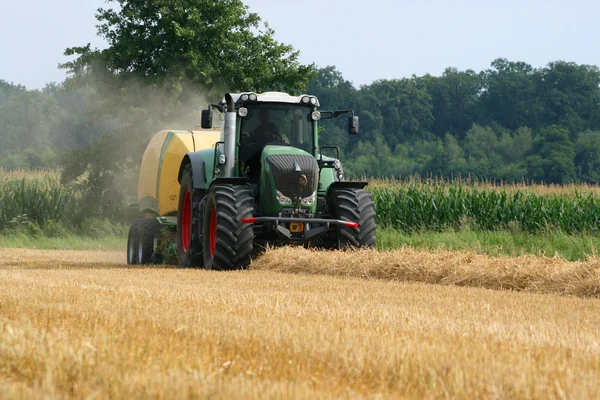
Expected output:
(268, 119)
(273, 124)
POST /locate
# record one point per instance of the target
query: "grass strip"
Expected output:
(70, 242)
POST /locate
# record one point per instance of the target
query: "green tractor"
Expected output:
(261, 180)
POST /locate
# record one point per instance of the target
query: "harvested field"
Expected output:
(78, 324)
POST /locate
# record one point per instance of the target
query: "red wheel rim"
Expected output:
(213, 232)
(186, 221)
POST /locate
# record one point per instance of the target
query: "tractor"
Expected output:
(260, 179)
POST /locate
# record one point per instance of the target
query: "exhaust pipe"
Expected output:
(229, 137)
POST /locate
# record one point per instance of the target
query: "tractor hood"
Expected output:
(289, 178)
(277, 150)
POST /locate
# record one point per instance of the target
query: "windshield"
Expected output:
(276, 123)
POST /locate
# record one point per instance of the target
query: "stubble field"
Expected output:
(298, 324)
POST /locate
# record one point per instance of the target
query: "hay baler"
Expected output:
(259, 180)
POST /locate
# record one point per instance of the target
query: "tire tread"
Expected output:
(355, 205)
(234, 239)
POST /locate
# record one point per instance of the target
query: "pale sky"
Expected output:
(365, 40)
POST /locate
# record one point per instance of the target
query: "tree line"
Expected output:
(511, 122)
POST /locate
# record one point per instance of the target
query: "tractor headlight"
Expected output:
(316, 115)
(245, 97)
(252, 96)
(242, 112)
(337, 165)
(310, 200)
(283, 200)
(222, 159)
(305, 99)
(313, 101)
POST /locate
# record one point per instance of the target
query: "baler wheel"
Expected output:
(132, 241)
(228, 241)
(148, 230)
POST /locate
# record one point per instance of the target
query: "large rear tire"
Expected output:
(189, 246)
(227, 242)
(354, 205)
(148, 230)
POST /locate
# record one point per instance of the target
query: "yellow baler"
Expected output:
(158, 187)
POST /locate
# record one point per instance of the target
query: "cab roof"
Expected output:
(272, 97)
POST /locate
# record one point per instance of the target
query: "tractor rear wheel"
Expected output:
(189, 246)
(354, 205)
(148, 230)
(228, 243)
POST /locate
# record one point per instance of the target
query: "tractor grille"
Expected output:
(286, 178)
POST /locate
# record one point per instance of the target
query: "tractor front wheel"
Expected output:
(227, 242)
(354, 205)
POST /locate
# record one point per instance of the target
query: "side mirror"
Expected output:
(206, 118)
(353, 125)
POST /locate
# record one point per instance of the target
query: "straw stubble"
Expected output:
(79, 324)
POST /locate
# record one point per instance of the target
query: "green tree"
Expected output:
(402, 107)
(455, 100)
(217, 44)
(164, 59)
(333, 91)
(28, 119)
(8, 89)
(455, 156)
(512, 148)
(511, 96)
(481, 142)
(571, 95)
(448, 159)
(552, 156)
(422, 152)
(587, 156)
(482, 148)
(371, 159)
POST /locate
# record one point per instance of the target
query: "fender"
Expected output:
(346, 185)
(231, 181)
(198, 175)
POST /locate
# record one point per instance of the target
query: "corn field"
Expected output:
(438, 206)
(38, 198)
(412, 205)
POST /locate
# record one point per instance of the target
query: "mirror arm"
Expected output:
(329, 114)
(219, 107)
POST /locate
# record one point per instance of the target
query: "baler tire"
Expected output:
(354, 205)
(148, 230)
(132, 240)
(189, 254)
(228, 243)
